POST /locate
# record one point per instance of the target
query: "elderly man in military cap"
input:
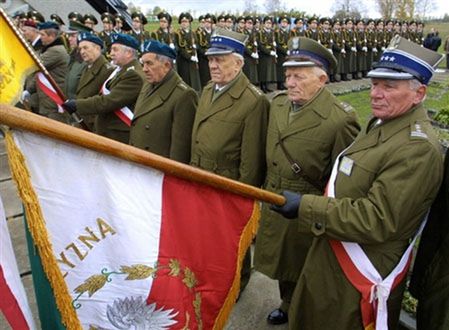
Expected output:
(186, 45)
(308, 128)
(377, 197)
(55, 58)
(164, 34)
(31, 34)
(118, 94)
(76, 62)
(165, 108)
(230, 124)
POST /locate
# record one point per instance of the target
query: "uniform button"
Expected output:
(318, 226)
(197, 141)
(147, 126)
(275, 164)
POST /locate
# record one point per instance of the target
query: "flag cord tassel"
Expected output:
(245, 241)
(39, 233)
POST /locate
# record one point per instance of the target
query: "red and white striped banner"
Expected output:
(48, 89)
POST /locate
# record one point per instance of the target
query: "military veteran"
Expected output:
(115, 102)
(379, 192)
(165, 108)
(230, 125)
(308, 128)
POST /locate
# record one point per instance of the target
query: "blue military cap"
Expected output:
(226, 42)
(48, 25)
(125, 39)
(153, 46)
(88, 36)
(403, 60)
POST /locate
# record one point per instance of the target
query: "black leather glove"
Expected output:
(69, 106)
(290, 209)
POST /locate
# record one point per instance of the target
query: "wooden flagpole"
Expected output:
(24, 120)
(40, 65)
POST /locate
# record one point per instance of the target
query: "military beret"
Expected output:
(403, 60)
(88, 36)
(140, 17)
(307, 52)
(125, 39)
(48, 25)
(108, 18)
(57, 19)
(76, 27)
(165, 15)
(75, 16)
(156, 47)
(226, 42)
(89, 18)
(30, 23)
(36, 16)
(186, 16)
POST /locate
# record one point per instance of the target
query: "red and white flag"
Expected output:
(137, 248)
(13, 301)
(49, 90)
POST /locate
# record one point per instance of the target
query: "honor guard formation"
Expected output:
(355, 197)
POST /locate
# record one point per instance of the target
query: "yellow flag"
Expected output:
(15, 63)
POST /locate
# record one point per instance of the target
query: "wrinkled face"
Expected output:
(154, 69)
(392, 98)
(224, 68)
(89, 51)
(303, 83)
(30, 33)
(47, 38)
(119, 55)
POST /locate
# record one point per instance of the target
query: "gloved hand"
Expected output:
(69, 106)
(343, 51)
(255, 55)
(194, 59)
(365, 49)
(354, 49)
(172, 45)
(25, 97)
(255, 43)
(374, 50)
(272, 53)
(290, 209)
(274, 44)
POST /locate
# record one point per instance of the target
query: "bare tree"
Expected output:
(405, 9)
(424, 7)
(250, 7)
(274, 6)
(348, 8)
(386, 8)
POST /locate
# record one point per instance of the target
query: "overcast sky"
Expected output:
(318, 7)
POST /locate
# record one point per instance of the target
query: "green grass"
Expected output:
(360, 102)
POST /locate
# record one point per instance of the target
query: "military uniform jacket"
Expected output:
(106, 37)
(385, 184)
(124, 90)
(314, 137)
(229, 132)
(74, 71)
(163, 118)
(162, 36)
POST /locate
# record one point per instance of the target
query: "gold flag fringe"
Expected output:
(36, 225)
(245, 241)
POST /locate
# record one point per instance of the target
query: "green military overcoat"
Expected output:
(384, 188)
(90, 82)
(124, 90)
(74, 71)
(163, 118)
(313, 138)
(229, 132)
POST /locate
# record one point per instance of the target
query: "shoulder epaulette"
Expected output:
(131, 68)
(346, 107)
(256, 90)
(417, 132)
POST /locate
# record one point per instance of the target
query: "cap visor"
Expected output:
(382, 73)
(299, 63)
(217, 51)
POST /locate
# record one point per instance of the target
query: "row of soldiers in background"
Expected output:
(356, 43)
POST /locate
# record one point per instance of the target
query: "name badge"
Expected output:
(346, 165)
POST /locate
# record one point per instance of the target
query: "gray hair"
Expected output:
(414, 84)
(53, 32)
(163, 58)
(129, 49)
